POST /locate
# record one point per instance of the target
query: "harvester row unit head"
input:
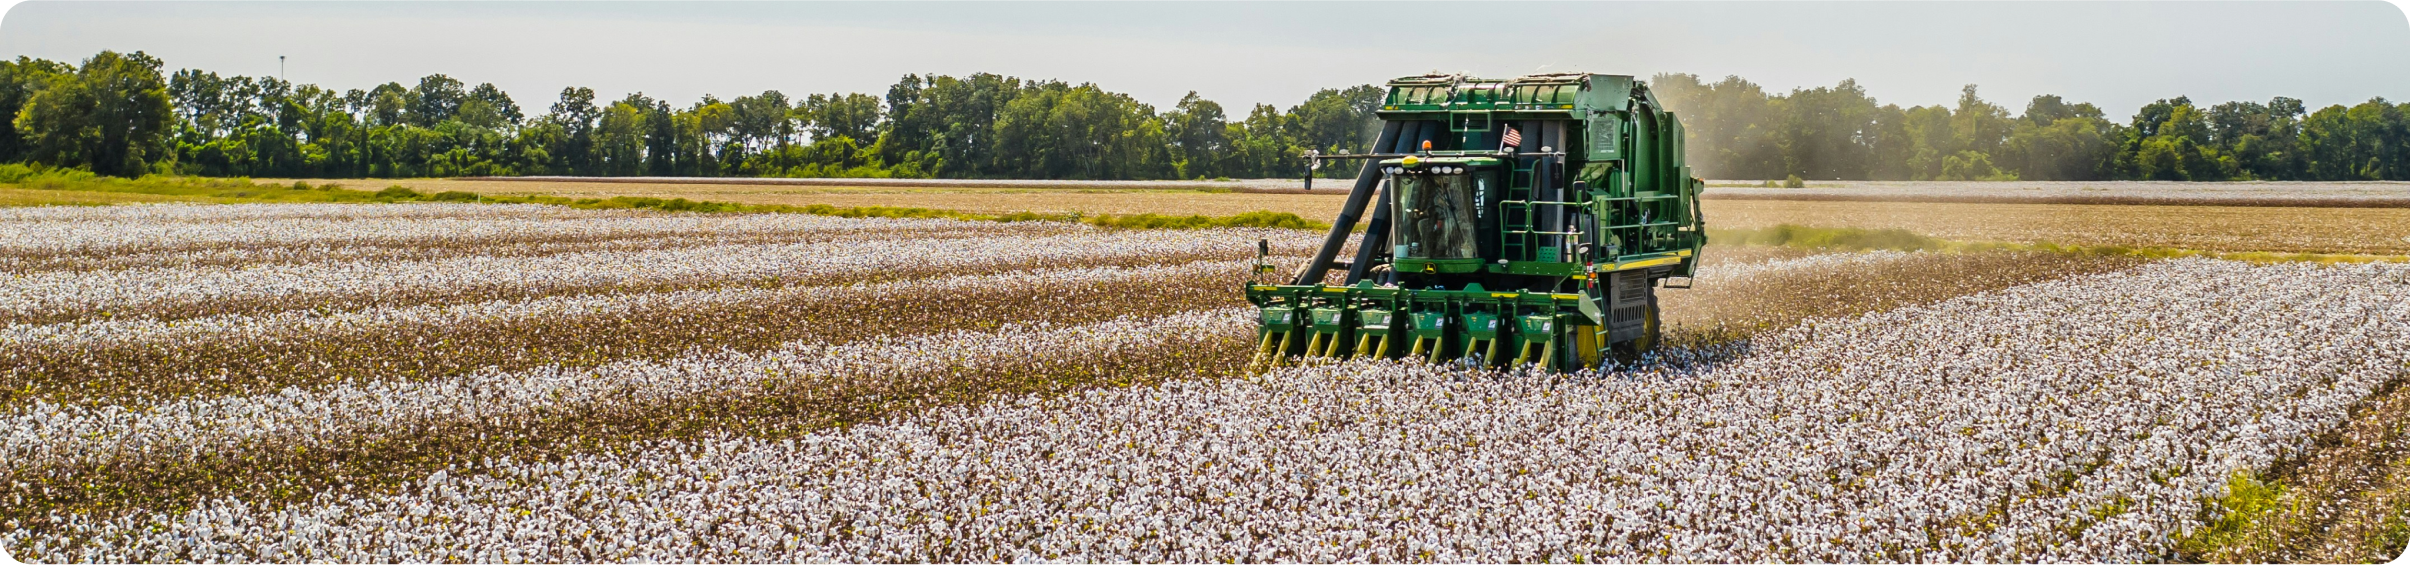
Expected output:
(1526, 220)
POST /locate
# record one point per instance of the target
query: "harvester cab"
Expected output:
(1519, 221)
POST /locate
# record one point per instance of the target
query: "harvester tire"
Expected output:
(1650, 331)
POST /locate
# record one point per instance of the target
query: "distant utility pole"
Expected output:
(280, 67)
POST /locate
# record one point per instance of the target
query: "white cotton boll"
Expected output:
(1872, 438)
(63, 293)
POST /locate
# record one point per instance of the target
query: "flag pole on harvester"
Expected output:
(1511, 139)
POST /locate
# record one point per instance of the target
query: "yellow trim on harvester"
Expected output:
(1679, 255)
(1648, 263)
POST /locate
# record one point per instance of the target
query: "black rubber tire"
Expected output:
(1652, 330)
(1651, 333)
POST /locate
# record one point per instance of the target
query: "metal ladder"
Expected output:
(1515, 213)
(1518, 213)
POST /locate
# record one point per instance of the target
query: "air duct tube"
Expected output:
(1376, 236)
(1367, 177)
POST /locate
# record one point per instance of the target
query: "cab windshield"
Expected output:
(1435, 216)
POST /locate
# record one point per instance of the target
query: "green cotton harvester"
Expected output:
(1519, 221)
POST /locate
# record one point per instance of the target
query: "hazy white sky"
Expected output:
(2118, 55)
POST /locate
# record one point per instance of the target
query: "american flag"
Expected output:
(1512, 139)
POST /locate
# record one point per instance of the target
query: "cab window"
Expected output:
(1435, 216)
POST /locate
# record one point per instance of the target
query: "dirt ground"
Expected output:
(1322, 203)
(2382, 231)
(2379, 231)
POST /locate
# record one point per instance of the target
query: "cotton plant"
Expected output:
(2085, 419)
(55, 296)
(224, 383)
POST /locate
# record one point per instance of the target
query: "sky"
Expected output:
(2118, 55)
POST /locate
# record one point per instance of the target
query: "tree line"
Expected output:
(122, 114)
(1737, 130)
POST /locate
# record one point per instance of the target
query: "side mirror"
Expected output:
(1263, 248)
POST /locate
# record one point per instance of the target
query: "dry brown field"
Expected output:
(2378, 231)
(982, 200)
(2356, 230)
(2355, 194)
(35, 197)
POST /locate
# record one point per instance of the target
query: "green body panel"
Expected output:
(1480, 325)
(1277, 318)
(1537, 329)
(1441, 265)
(1576, 225)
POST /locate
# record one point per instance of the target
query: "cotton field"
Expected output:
(524, 383)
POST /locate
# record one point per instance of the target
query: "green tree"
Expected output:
(853, 116)
(1823, 132)
(1259, 145)
(2171, 141)
(1890, 144)
(619, 136)
(2065, 148)
(208, 106)
(661, 157)
(1198, 132)
(575, 113)
(488, 107)
(1977, 125)
(19, 81)
(1729, 125)
(2362, 142)
(1970, 165)
(2261, 137)
(436, 99)
(761, 124)
(2055, 140)
(947, 123)
(1054, 130)
(112, 115)
(1930, 140)
(1335, 120)
(2050, 108)
(388, 104)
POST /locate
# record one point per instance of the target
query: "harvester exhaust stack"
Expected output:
(1522, 221)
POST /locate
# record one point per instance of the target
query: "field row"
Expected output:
(184, 292)
(127, 361)
(52, 239)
